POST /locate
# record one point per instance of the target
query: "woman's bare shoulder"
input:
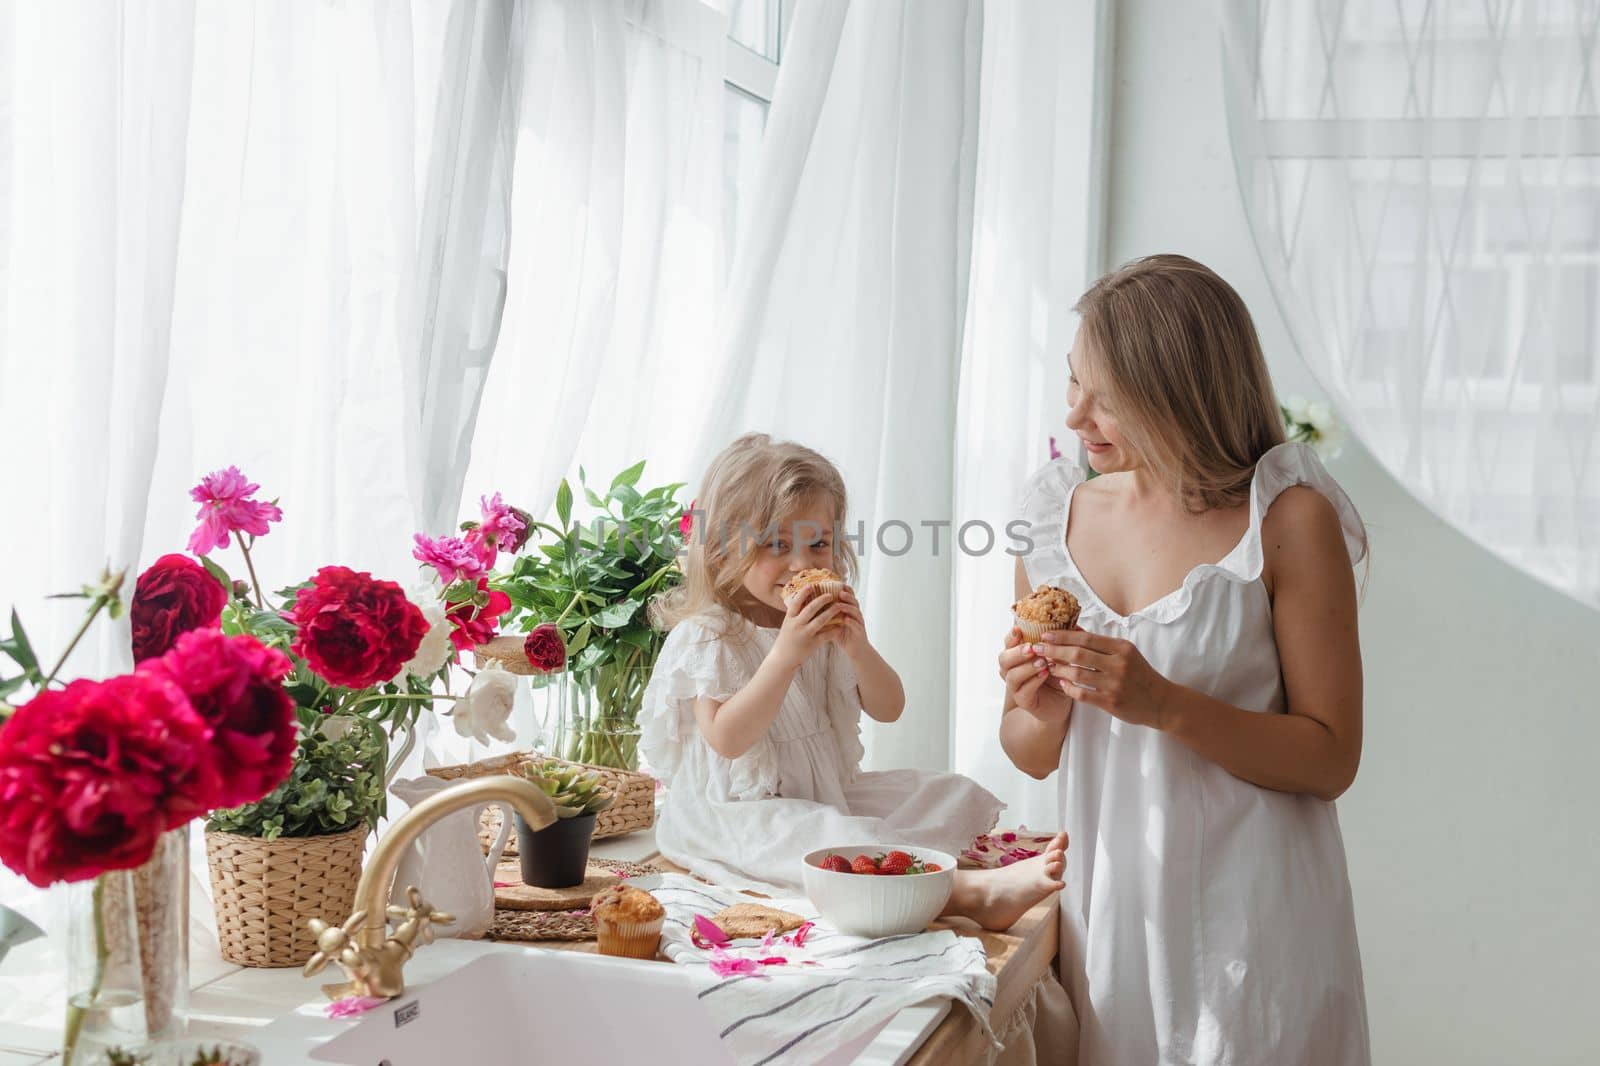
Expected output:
(1300, 529)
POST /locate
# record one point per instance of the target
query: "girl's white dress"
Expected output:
(1205, 920)
(748, 822)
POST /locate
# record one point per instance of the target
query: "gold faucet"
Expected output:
(369, 954)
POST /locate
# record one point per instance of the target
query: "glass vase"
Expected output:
(602, 720)
(128, 955)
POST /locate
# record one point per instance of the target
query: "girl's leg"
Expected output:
(995, 899)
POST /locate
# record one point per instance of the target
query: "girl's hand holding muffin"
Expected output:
(807, 625)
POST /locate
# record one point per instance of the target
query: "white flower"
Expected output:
(483, 711)
(435, 648)
(1320, 415)
(1328, 441)
(1299, 408)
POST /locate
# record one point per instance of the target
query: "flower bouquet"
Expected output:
(584, 594)
(99, 780)
(364, 658)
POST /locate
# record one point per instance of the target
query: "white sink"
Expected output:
(493, 1004)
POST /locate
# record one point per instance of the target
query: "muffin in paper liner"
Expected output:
(826, 582)
(629, 940)
(627, 922)
(1046, 609)
(1033, 631)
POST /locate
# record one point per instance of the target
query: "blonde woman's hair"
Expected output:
(1177, 359)
(754, 485)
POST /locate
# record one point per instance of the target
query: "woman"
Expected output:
(1207, 710)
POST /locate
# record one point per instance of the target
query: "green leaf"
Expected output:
(628, 477)
(11, 684)
(594, 498)
(20, 649)
(216, 571)
(580, 639)
(564, 502)
(617, 614)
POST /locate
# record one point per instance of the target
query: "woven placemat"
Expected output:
(511, 894)
(560, 925)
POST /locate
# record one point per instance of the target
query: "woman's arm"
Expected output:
(1315, 747)
(1034, 719)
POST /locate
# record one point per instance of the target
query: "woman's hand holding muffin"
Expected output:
(1106, 672)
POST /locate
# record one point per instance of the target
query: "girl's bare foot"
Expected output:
(995, 899)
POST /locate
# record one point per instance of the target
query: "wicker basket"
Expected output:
(633, 809)
(265, 891)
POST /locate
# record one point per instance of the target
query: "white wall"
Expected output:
(1473, 829)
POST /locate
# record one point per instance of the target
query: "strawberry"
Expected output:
(896, 862)
(864, 865)
(837, 863)
(932, 868)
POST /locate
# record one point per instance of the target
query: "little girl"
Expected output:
(752, 716)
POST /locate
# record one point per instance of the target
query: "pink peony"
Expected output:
(477, 625)
(173, 596)
(354, 629)
(92, 774)
(686, 523)
(454, 558)
(226, 507)
(236, 685)
(502, 522)
(545, 649)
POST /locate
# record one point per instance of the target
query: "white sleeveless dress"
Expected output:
(1205, 920)
(747, 822)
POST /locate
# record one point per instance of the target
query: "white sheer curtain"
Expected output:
(845, 306)
(1423, 182)
(1036, 245)
(615, 270)
(212, 219)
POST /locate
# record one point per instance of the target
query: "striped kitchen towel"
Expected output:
(795, 999)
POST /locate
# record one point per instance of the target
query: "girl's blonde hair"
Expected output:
(755, 484)
(1178, 361)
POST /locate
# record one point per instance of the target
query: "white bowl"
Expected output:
(863, 905)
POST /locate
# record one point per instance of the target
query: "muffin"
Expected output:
(627, 921)
(1046, 608)
(826, 582)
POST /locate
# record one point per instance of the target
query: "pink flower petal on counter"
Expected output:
(708, 931)
(502, 884)
(1009, 838)
(726, 965)
(798, 937)
(350, 1006)
(773, 960)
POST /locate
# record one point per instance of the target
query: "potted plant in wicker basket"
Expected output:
(592, 584)
(558, 855)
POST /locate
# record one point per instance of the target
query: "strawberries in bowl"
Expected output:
(894, 863)
(879, 890)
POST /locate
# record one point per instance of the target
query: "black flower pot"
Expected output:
(558, 855)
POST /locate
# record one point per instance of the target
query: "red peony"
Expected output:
(477, 625)
(236, 685)
(545, 649)
(356, 630)
(173, 596)
(92, 774)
